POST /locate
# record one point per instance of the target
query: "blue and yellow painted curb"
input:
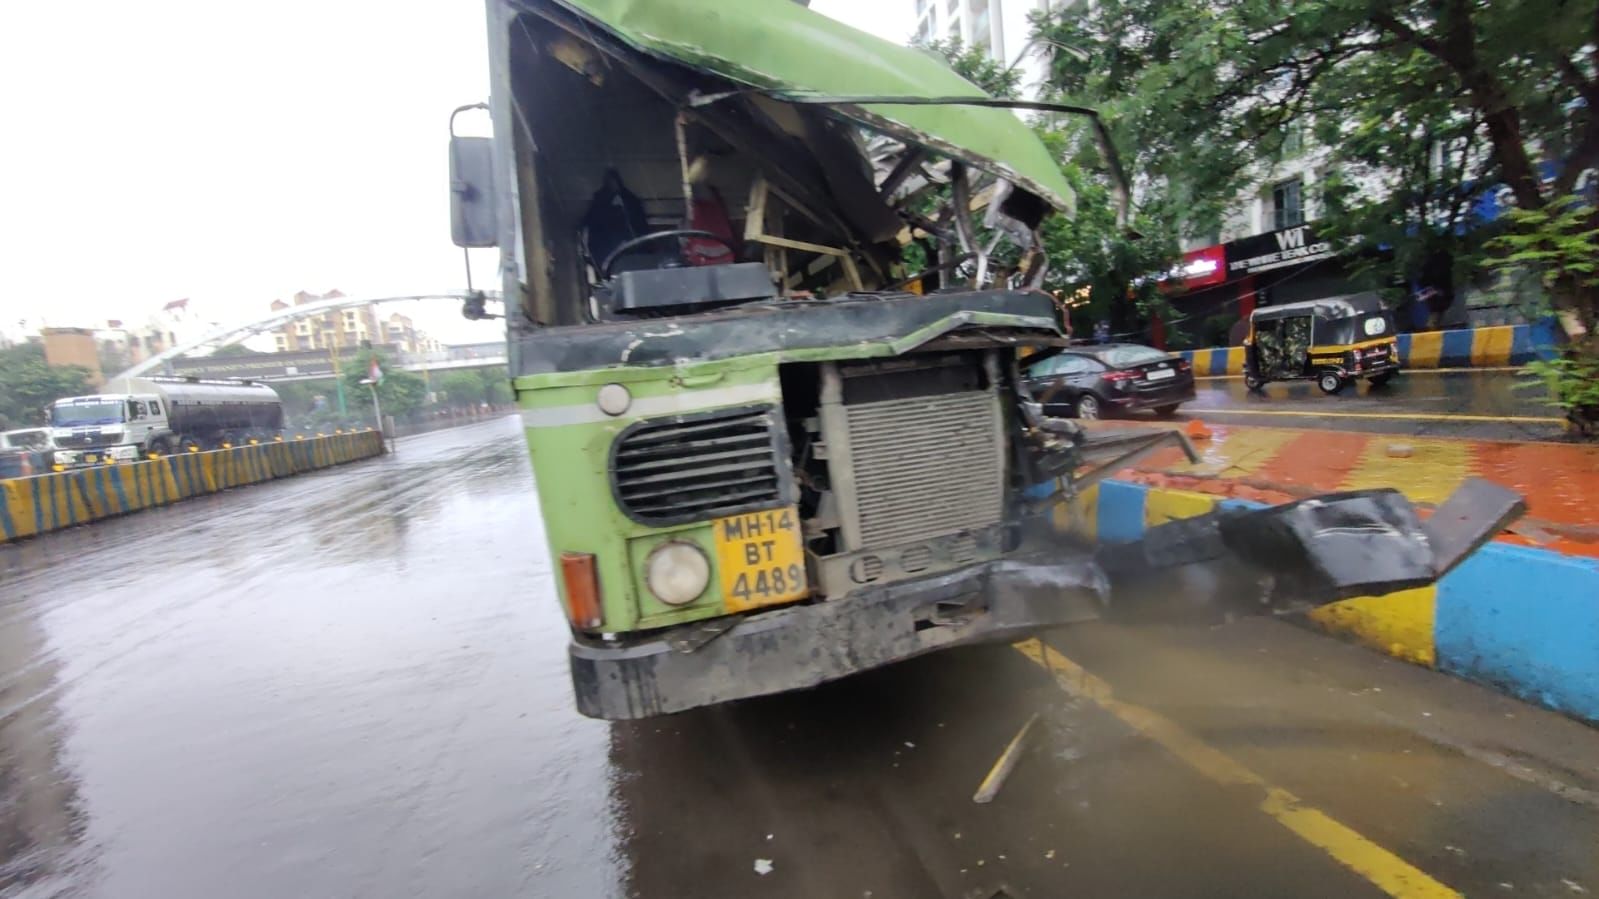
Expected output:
(50, 502)
(1489, 347)
(1516, 618)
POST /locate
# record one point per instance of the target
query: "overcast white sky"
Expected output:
(233, 154)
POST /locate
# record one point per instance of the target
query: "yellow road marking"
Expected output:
(1385, 870)
(1394, 416)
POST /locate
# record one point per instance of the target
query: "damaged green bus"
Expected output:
(769, 451)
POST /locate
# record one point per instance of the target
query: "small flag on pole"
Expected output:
(375, 371)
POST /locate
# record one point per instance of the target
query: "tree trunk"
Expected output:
(1510, 151)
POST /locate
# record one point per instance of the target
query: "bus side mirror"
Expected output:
(473, 222)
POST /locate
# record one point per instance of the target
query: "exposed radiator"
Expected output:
(926, 466)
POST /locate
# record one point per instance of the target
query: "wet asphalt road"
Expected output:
(353, 684)
(1490, 405)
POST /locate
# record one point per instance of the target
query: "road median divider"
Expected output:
(1521, 619)
(1493, 346)
(39, 504)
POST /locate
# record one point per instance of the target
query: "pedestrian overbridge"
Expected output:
(180, 360)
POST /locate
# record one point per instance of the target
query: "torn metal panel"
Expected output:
(848, 327)
(1310, 552)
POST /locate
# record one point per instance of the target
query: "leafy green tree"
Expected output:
(400, 394)
(1560, 242)
(464, 387)
(498, 380)
(1111, 267)
(28, 385)
(976, 66)
(1420, 107)
(299, 397)
(1091, 257)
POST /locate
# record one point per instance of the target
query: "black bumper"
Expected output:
(1132, 402)
(802, 646)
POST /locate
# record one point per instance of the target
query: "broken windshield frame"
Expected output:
(828, 200)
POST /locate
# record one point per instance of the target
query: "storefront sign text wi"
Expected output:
(1277, 249)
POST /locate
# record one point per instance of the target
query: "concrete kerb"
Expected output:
(42, 503)
(1520, 619)
(1496, 346)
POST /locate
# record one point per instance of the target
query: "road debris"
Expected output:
(989, 788)
(763, 866)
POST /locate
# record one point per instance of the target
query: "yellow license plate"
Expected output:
(761, 559)
(91, 458)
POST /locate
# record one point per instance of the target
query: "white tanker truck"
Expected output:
(132, 417)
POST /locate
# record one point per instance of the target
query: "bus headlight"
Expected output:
(677, 572)
(613, 399)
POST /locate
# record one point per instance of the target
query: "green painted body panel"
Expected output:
(570, 460)
(794, 52)
(580, 515)
(689, 370)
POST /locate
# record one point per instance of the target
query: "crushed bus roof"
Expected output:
(790, 52)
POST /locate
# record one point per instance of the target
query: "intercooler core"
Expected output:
(916, 457)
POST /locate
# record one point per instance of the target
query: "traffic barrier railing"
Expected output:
(41, 503)
(1489, 347)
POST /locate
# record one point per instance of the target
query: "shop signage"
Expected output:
(1202, 267)
(1277, 249)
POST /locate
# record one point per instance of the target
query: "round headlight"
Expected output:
(677, 573)
(613, 399)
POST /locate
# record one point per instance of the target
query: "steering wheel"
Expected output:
(626, 245)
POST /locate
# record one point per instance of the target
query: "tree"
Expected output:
(498, 380)
(1425, 105)
(1560, 242)
(463, 388)
(995, 78)
(28, 384)
(1110, 267)
(299, 397)
(232, 349)
(401, 392)
(1088, 253)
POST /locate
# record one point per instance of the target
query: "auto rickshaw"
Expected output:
(1331, 341)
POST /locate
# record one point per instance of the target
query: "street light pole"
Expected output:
(377, 407)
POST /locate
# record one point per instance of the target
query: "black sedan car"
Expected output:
(1106, 379)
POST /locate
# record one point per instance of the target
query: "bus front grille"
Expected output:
(699, 467)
